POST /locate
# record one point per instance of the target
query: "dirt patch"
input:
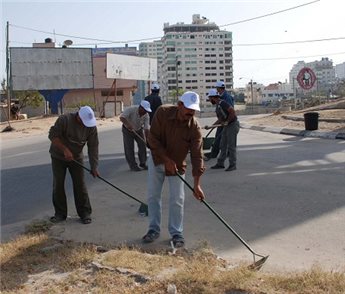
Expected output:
(41, 126)
(334, 110)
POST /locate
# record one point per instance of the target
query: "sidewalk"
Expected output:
(296, 132)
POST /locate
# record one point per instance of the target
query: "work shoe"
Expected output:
(144, 166)
(178, 241)
(217, 166)
(231, 167)
(150, 236)
(136, 168)
(57, 219)
(86, 220)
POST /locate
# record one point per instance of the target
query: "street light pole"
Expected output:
(251, 93)
(177, 64)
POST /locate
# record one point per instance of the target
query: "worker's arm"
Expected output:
(198, 192)
(127, 124)
(66, 152)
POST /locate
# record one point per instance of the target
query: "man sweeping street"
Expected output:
(227, 118)
(135, 127)
(68, 136)
(174, 132)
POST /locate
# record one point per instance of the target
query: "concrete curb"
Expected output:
(295, 132)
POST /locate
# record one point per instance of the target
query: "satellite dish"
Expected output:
(68, 42)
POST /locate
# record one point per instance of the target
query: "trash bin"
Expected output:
(311, 121)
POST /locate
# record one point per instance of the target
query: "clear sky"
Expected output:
(134, 20)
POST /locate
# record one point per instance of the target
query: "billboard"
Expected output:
(131, 67)
(51, 68)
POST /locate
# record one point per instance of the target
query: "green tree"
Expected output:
(28, 98)
(172, 95)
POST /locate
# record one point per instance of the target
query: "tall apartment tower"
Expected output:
(195, 56)
(153, 50)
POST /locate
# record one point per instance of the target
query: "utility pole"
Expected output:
(177, 64)
(251, 93)
(8, 84)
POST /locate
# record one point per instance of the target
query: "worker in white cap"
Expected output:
(174, 132)
(154, 99)
(226, 116)
(68, 137)
(135, 127)
(223, 95)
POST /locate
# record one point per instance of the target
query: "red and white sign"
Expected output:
(306, 78)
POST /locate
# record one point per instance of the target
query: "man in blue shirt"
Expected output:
(224, 95)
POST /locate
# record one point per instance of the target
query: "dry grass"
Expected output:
(35, 263)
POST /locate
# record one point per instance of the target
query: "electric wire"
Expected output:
(268, 14)
(157, 38)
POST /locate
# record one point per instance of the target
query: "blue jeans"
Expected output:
(156, 177)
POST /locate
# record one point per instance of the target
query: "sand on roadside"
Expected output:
(41, 126)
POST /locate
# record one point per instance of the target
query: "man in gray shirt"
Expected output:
(135, 127)
(68, 136)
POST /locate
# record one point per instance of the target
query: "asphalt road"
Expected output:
(286, 199)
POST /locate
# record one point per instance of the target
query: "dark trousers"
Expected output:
(81, 197)
(216, 144)
(128, 144)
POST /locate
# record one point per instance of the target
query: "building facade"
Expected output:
(153, 50)
(193, 57)
(276, 92)
(323, 69)
(340, 71)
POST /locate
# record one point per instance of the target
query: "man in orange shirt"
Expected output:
(174, 132)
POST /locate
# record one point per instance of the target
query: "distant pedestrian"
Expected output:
(68, 136)
(227, 117)
(135, 127)
(154, 99)
(174, 132)
(224, 95)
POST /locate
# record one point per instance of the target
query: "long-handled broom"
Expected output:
(257, 264)
(143, 209)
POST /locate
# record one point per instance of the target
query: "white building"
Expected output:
(198, 53)
(340, 71)
(276, 92)
(153, 50)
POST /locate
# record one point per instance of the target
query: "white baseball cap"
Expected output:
(220, 84)
(212, 93)
(146, 105)
(190, 100)
(87, 116)
(154, 86)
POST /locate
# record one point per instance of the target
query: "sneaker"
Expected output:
(178, 241)
(136, 168)
(150, 236)
(144, 166)
(57, 219)
(231, 167)
(206, 158)
(217, 166)
(86, 220)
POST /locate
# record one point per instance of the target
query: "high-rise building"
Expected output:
(340, 71)
(323, 69)
(194, 57)
(152, 50)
